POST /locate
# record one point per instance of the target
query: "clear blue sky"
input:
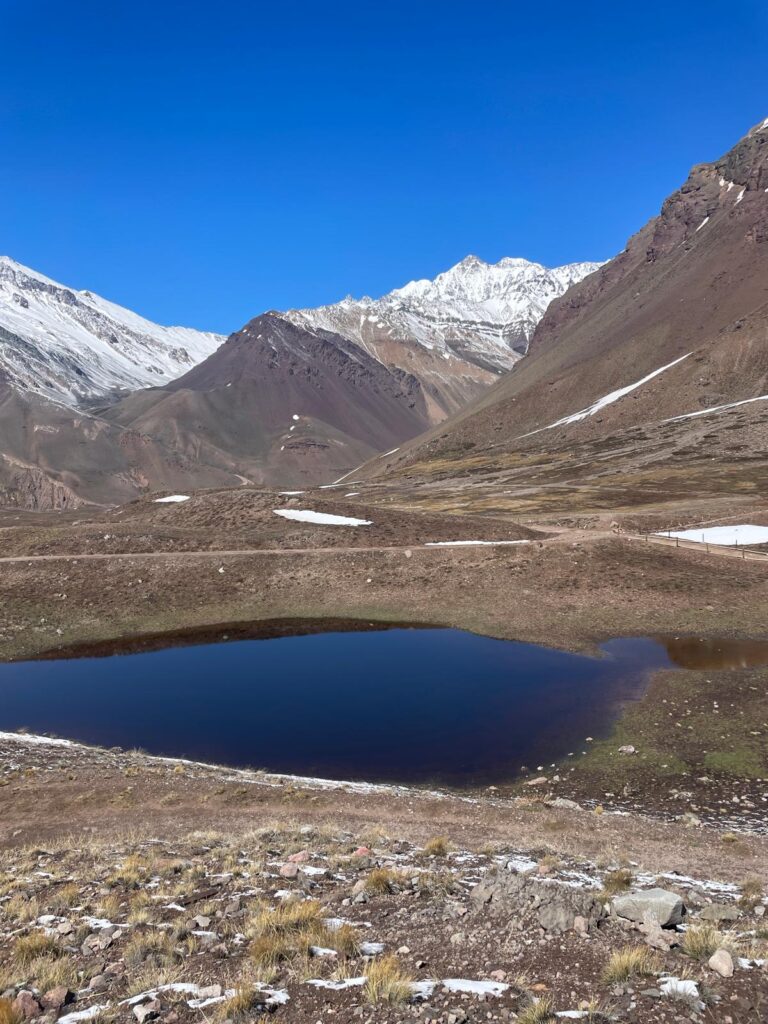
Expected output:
(201, 162)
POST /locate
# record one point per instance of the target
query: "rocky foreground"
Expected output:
(228, 896)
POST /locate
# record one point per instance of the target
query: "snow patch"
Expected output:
(172, 499)
(744, 534)
(320, 518)
(608, 399)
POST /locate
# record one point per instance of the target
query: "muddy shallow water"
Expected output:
(408, 705)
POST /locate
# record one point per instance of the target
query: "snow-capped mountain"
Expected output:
(73, 346)
(483, 313)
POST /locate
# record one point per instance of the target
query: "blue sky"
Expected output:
(203, 162)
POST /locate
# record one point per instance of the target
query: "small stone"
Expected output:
(404, 950)
(627, 749)
(299, 858)
(721, 962)
(581, 925)
(541, 780)
(289, 870)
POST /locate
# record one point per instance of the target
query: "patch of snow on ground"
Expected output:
(320, 518)
(743, 534)
(706, 219)
(89, 1014)
(716, 408)
(291, 492)
(608, 399)
(480, 988)
(336, 986)
(172, 498)
(43, 741)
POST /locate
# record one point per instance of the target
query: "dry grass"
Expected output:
(751, 893)
(386, 981)
(8, 1015)
(630, 962)
(21, 908)
(385, 880)
(541, 1012)
(50, 973)
(150, 977)
(241, 1005)
(345, 940)
(154, 949)
(702, 940)
(287, 932)
(437, 846)
(64, 898)
(617, 881)
(34, 946)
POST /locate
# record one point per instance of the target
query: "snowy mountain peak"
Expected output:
(73, 346)
(484, 313)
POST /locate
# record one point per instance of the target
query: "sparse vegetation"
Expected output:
(386, 981)
(34, 946)
(702, 940)
(8, 1015)
(437, 846)
(751, 893)
(630, 962)
(540, 1012)
(617, 881)
(385, 880)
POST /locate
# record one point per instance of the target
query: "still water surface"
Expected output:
(434, 706)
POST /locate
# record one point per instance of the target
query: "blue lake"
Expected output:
(412, 705)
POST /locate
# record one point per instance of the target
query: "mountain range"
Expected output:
(647, 378)
(95, 404)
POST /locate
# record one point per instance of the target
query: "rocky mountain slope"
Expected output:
(652, 346)
(456, 333)
(73, 346)
(281, 404)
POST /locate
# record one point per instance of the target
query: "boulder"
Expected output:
(554, 905)
(720, 912)
(26, 1006)
(57, 997)
(721, 962)
(665, 906)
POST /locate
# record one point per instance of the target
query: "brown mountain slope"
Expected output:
(690, 289)
(52, 457)
(282, 405)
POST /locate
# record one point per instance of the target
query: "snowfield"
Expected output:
(744, 534)
(320, 518)
(172, 499)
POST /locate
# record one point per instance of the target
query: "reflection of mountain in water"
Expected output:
(693, 653)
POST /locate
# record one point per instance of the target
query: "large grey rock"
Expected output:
(553, 905)
(665, 906)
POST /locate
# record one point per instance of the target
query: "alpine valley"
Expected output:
(98, 404)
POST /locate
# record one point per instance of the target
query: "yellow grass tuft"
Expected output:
(33, 947)
(386, 981)
(8, 1015)
(702, 940)
(540, 1012)
(617, 881)
(437, 846)
(630, 962)
(385, 880)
